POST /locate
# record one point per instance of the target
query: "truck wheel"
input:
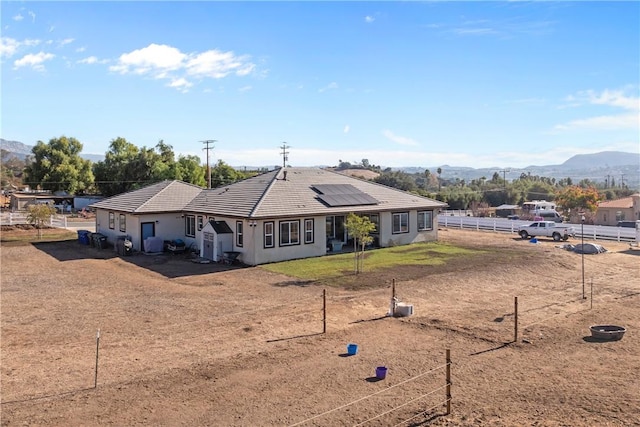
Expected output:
(524, 234)
(556, 237)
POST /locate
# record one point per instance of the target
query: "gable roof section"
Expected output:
(276, 194)
(624, 203)
(165, 196)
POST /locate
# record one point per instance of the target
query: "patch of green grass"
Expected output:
(329, 266)
(25, 237)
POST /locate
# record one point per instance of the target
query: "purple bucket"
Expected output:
(381, 372)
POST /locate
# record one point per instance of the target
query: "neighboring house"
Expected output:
(279, 215)
(625, 209)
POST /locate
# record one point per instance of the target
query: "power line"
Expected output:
(285, 154)
(207, 148)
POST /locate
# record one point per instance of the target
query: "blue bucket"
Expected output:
(352, 349)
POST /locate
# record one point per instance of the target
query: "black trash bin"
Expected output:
(99, 240)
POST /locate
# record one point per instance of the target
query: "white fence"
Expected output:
(58, 221)
(594, 232)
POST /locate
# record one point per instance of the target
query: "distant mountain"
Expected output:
(20, 150)
(604, 158)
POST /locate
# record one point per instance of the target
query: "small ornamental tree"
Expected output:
(359, 228)
(38, 215)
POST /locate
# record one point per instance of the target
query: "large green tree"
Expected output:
(116, 173)
(57, 166)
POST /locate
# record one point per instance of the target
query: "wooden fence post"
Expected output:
(448, 381)
(95, 379)
(515, 317)
(324, 311)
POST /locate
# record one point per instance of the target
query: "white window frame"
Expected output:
(190, 225)
(294, 235)
(269, 238)
(200, 222)
(402, 223)
(122, 222)
(308, 230)
(239, 234)
(112, 220)
(426, 225)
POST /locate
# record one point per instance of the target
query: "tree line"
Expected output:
(483, 192)
(58, 166)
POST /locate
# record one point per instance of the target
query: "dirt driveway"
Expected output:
(200, 344)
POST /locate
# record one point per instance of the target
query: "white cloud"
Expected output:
(9, 46)
(369, 19)
(167, 62)
(81, 49)
(65, 42)
(401, 140)
(92, 60)
(51, 28)
(245, 89)
(32, 15)
(181, 84)
(346, 129)
(34, 61)
(618, 99)
(330, 86)
(18, 17)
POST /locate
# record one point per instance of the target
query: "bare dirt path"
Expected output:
(190, 344)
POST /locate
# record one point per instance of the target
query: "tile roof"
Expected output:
(279, 193)
(165, 196)
(624, 203)
(289, 192)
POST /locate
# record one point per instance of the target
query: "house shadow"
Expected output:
(164, 263)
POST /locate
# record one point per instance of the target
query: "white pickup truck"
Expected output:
(547, 229)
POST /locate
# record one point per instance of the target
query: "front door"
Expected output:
(147, 229)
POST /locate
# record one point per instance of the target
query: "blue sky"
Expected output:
(479, 84)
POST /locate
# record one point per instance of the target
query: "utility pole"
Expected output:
(504, 178)
(621, 180)
(285, 154)
(207, 148)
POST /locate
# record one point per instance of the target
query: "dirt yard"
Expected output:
(186, 344)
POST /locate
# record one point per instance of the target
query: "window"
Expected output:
(268, 234)
(400, 222)
(425, 220)
(239, 235)
(190, 225)
(308, 230)
(289, 233)
(200, 222)
(112, 220)
(123, 222)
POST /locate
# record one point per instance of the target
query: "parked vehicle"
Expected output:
(546, 229)
(549, 216)
(629, 224)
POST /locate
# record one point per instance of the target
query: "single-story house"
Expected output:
(283, 214)
(625, 209)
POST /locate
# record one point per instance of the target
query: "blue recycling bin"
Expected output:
(83, 237)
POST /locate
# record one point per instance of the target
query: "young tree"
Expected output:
(38, 215)
(360, 229)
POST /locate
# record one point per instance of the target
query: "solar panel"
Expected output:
(343, 195)
(335, 200)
